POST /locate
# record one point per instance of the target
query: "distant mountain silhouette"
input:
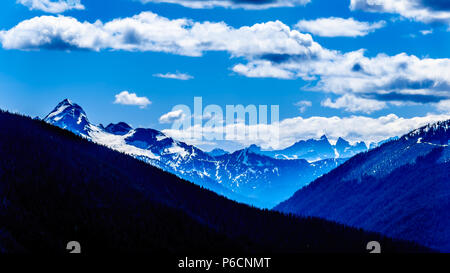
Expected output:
(57, 187)
(401, 189)
(315, 150)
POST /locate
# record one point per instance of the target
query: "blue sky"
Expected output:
(38, 69)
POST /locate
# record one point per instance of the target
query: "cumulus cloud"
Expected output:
(335, 27)
(174, 76)
(50, 6)
(352, 103)
(288, 131)
(268, 50)
(172, 116)
(303, 105)
(244, 4)
(387, 78)
(149, 32)
(428, 11)
(127, 98)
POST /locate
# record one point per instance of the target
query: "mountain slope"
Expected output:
(56, 187)
(266, 178)
(401, 189)
(253, 179)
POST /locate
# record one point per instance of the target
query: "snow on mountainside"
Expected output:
(400, 189)
(436, 133)
(244, 176)
(405, 150)
(70, 116)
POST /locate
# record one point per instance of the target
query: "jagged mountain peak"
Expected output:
(66, 101)
(254, 148)
(322, 140)
(315, 149)
(65, 107)
(71, 116)
(342, 142)
(361, 144)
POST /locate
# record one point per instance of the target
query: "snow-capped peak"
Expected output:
(68, 115)
(59, 109)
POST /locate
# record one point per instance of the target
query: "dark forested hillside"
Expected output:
(401, 189)
(56, 187)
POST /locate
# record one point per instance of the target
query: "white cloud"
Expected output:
(443, 106)
(335, 27)
(270, 49)
(393, 78)
(50, 6)
(127, 98)
(351, 103)
(402, 73)
(303, 105)
(426, 32)
(288, 131)
(149, 32)
(174, 76)
(172, 116)
(245, 4)
(427, 11)
(262, 69)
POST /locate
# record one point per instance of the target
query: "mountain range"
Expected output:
(56, 187)
(315, 150)
(400, 189)
(250, 175)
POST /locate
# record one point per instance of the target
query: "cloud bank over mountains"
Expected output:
(289, 131)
